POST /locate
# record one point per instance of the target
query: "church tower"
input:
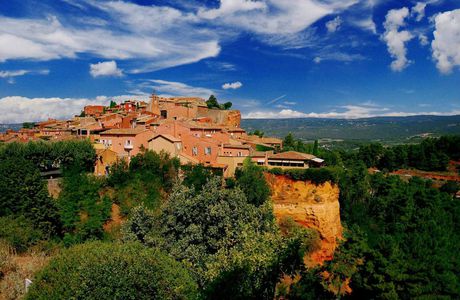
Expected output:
(154, 105)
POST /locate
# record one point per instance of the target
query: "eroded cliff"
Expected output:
(313, 206)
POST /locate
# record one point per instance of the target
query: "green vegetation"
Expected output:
(213, 103)
(250, 178)
(113, 271)
(28, 125)
(430, 155)
(350, 134)
(188, 235)
(24, 194)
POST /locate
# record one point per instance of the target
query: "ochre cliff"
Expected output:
(313, 206)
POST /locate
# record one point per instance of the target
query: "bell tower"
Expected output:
(154, 105)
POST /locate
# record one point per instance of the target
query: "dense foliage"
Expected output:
(52, 155)
(213, 103)
(23, 193)
(189, 234)
(113, 271)
(219, 236)
(429, 155)
(250, 178)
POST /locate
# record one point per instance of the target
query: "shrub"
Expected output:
(99, 270)
(19, 233)
(315, 175)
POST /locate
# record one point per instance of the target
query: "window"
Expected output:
(207, 150)
(195, 151)
(240, 154)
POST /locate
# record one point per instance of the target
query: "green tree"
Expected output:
(220, 237)
(316, 148)
(83, 210)
(289, 142)
(112, 104)
(250, 178)
(196, 176)
(24, 193)
(212, 102)
(113, 271)
(227, 105)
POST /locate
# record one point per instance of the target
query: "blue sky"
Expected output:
(271, 58)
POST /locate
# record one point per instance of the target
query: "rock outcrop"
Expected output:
(310, 205)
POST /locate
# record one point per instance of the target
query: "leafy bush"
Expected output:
(99, 270)
(24, 193)
(315, 175)
(19, 233)
(250, 178)
(83, 210)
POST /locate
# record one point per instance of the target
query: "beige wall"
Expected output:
(161, 144)
(232, 162)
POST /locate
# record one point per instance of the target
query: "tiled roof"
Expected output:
(292, 155)
(168, 137)
(124, 131)
(236, 146)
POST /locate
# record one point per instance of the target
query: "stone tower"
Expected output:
(154, 105)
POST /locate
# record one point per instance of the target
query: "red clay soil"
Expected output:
(450, 175)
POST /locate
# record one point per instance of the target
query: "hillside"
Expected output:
(384, 129)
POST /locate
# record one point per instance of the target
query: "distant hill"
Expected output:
(384, 129)
(4, 127)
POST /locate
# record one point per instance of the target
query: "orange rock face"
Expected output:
(313, 206)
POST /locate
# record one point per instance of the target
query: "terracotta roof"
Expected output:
(189, 158)
(292, 155)
(124, 131)
(258, 154)
(168, 137)
(236, 146)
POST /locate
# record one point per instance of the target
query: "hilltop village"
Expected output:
(185, 127)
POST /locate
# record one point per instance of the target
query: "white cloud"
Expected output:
(7, 74)
(446, 43)
(273, 16)
(338, 56)
(334, 25)
(229, 7)
(366, 24)
(171, 88)
(418, 11)
(17, 109)
(343, 112)
(396, 40)
(148, 37)
(234, 85)
(11, 74)
(107, 68)
(423, 39)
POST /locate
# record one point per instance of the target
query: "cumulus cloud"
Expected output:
(423, 39)
(17, 109)
(106, 68)
(234, 85)
(343, 112)
(418, 11)
(396, 40)
(446, 43)
(334, 25)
